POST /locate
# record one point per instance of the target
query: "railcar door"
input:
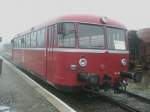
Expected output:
(50, 54)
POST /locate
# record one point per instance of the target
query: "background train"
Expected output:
(76, 52)
(139, 47)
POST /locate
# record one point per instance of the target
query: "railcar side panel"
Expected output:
(36, 60)
(18, 56)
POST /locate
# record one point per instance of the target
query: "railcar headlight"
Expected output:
(83, 62)
(124, 62)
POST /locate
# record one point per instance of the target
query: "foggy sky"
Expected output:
(19, 15)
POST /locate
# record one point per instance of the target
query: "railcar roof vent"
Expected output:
(104, 19)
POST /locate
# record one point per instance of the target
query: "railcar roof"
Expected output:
(90, 19)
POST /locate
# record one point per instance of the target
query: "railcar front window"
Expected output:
(91, 36)
(67, 37)
(116, 39)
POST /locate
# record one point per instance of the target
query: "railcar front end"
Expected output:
(91, 56)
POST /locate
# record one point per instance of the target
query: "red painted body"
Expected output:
(54, 65)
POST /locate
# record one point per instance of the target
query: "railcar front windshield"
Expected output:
(91, 36)
(115, 38)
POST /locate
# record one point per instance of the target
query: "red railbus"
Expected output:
(76, 52)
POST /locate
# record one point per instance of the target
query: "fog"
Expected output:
(19, 15)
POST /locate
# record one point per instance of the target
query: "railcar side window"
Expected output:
(19, 43)
(28, 41)
(116, 39)
(33, 39)
(67, 37)
(91, 36)
(14, 43)
(41, 38)
(50, 35)
(23, 42)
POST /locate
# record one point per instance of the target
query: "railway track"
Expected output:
(114, 103)
(129, 101)
(138, 96)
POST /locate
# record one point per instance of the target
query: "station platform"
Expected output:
(17, 95)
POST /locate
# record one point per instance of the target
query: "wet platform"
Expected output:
(16, 94)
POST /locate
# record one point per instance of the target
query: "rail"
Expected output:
(120, 104)
(128, 105)
(147, 100)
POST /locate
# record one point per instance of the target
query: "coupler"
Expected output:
(136, 76)
(89, 78)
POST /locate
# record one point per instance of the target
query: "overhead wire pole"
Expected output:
(0, 39)
(1, 61)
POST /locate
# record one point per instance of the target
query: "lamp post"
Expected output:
(0, 39)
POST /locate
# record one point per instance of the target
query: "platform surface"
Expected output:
(16, 95)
